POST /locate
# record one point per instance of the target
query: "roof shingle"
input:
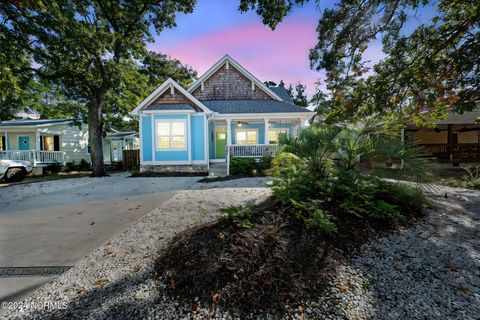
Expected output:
(252, 106)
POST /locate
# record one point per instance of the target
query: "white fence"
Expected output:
(33, 156)
(250, 151)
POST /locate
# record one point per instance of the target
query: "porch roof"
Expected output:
(252, 106)
(33, 123)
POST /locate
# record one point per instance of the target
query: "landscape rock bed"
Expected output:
(430, 270)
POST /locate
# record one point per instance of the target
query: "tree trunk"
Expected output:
(95, 137)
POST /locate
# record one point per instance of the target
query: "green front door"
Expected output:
(220, 142)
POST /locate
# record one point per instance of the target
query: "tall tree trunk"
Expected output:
(95, 137)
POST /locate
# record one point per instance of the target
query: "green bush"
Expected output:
(52, 168)
(242, 166)
(265, 163)
(84, 165)
(240, 215)
(249, 166)
(71, 166)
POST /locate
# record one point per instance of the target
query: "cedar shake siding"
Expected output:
(229, 84)
(176, 98)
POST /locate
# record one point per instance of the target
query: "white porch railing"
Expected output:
(33, 156)
(250, 151)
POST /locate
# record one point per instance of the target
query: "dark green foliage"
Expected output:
(300, 98)
(92, 50)
(324, 184)
(265, 163)
(242, 166)
(249, 166)
(52, 168)
(84, 165)
(241, 215)
(425, 72)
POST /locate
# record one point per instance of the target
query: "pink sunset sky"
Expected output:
(217, 28)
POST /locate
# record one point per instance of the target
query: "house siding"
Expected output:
(198, 137)
(168, 98)
(13, 140)
(226, 84)
(146, 136)
(74, 142)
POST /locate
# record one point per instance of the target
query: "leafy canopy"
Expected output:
(424, 73)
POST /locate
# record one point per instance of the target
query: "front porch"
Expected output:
(37, 147)
(448, 143)
(248, 137)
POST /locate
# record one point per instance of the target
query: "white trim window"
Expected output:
(171, 135)
(274, 133)
(246, 136)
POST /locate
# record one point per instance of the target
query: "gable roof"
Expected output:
(253, 106)
(237, 66)
(169, 83)
(34, 123)
(282, 93)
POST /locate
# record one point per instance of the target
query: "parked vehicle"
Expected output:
(14, 170)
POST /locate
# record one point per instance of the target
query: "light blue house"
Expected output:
(226, 113)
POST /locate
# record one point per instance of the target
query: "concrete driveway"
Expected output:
(59, 227)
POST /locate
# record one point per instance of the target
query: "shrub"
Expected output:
(241, 215)
(265, 163)
(84, 165)
(242, 166)
(52, 168)
(71, 166)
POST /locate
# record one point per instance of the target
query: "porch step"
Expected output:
(218, 169)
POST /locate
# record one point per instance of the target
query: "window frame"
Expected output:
(278, 131)
(170, 136)
(246, 135)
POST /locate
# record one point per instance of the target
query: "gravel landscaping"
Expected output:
(428, 271)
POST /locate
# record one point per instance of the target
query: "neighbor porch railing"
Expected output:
(250, 151)
(458, 152)
(33, 156)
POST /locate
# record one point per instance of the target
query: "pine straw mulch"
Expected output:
(277, 261)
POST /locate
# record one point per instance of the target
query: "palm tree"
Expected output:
(345, 147)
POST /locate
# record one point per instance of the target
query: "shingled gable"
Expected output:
(228, 80)
(170, 96)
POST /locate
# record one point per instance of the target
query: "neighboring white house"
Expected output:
(43, 141)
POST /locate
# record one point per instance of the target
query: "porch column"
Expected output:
(37, 140)
(450, 141)
(229, 132)
(6, 141)
(267, 129)
(303, 125)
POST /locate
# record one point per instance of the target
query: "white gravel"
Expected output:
(429, 271)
